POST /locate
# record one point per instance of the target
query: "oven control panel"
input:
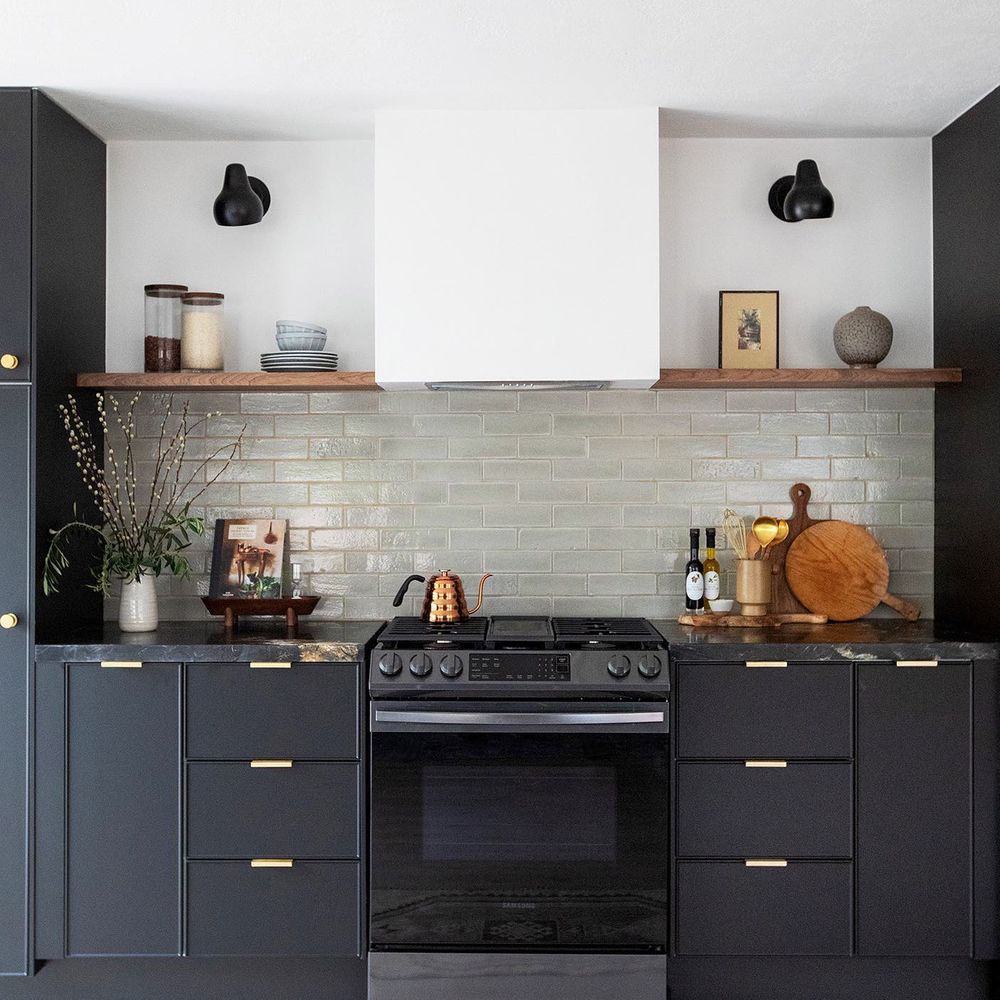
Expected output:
(518, 666)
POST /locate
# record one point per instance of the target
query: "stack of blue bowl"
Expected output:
(300, 349)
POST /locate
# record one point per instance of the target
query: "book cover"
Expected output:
(249, 558)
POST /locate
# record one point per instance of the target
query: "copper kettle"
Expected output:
(444, 598)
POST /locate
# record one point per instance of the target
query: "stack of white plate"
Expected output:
(298, 361)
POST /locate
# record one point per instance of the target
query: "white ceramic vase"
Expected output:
(137, 611)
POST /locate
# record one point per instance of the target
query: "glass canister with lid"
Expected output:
(162, 343)
(202, 332)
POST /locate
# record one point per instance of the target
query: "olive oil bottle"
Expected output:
(713, 572)
(694, 577)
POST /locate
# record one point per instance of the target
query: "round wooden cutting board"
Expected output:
(839, 570)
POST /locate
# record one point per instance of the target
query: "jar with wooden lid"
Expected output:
(162, 343)
(202, 332)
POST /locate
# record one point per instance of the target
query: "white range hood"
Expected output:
(517, 249)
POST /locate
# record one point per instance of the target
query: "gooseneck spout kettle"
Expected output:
(444, 598)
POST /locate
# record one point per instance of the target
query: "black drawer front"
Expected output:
(730, 810)
(732, 710)
(726, 908)
(304, 811)
(235, 711)
(312, 908)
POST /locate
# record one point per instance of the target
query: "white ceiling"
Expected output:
(307, 69)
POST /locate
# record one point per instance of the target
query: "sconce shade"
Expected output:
(243, 200)
(803, 196)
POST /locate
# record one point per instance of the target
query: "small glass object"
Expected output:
(296, 579)
(162, 343)
(201, 332)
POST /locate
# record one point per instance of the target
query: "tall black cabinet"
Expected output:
(52, 221)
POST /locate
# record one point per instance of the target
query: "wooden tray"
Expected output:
(712, 619)
(232, 608)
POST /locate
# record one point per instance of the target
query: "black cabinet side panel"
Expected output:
(966, 318)
(913, 810)
(69, 290)
(14, 679)
(123, 803)
(15, 231)
(985, 799)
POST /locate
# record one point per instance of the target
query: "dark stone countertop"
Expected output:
(207, 641)
(869, 639)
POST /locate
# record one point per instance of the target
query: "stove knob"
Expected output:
(451, 665)
(619, 665)
(420, 665)
(390, 664)
(650, 666)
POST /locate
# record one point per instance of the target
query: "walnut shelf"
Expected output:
(805, 378)
(225, 381)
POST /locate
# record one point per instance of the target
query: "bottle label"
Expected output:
(695, 586)
(712, 586)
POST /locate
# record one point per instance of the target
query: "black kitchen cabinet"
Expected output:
(123, 798)
(914, 822)
(52, 217)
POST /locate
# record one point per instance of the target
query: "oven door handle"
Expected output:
(396, 719)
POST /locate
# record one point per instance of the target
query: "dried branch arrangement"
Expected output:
(138, 534)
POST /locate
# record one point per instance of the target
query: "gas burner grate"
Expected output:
(604, 632)
(416, 630)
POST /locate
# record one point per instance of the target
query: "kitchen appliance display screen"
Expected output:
(502, 814)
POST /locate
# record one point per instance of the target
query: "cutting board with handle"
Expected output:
(783, 601)
(840, 570)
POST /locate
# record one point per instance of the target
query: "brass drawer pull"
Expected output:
(8, 620)
(271, 863)
(765, 863)
(916, 663)
(269, 665)
(9, 361)
(270, 763)
(765, 763)
(767, 663)
(122, 664)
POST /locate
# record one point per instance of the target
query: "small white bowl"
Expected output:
(722, 607)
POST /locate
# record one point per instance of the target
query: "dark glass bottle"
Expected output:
(694, 577)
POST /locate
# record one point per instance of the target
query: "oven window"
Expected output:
(555, 813)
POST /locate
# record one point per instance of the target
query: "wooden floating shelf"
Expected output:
(806, 378)
(670, 378)
(226, 381)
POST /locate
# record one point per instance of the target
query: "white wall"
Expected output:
(310, 259)
(718, 233)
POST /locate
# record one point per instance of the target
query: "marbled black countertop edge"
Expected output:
(208, 641)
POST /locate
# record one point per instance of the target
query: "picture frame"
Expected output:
(748, 329)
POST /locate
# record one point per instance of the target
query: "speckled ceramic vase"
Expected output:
(862, 338)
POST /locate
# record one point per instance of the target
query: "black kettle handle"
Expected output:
(398, 599)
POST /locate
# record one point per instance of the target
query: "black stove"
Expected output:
(518, 656)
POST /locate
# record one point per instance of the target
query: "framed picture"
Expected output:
(249, 558)
(748, 329)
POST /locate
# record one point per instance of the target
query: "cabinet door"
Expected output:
(15, 224)
(14, 667)
(913, 809)
(123, 810)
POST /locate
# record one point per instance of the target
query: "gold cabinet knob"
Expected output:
(9, 361)
(8, 620)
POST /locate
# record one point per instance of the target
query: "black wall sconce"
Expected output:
(803, 196)
(243, 200)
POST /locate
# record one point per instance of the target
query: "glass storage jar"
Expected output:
(201, 332)
(162, 343)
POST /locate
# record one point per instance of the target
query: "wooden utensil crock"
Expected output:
(753, 586)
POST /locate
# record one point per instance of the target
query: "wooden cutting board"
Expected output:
(718, 620)
(840, 570)
(783, 601)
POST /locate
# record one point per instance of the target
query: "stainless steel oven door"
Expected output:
(519, 826)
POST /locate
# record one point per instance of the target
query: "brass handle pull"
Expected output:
(9, 361)
(9, 620)
(765, 863)
(916, 663)
(271, 863)
(269, 665)
(122, 664)
(765, 763)
(766, 663)
(270, 763)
